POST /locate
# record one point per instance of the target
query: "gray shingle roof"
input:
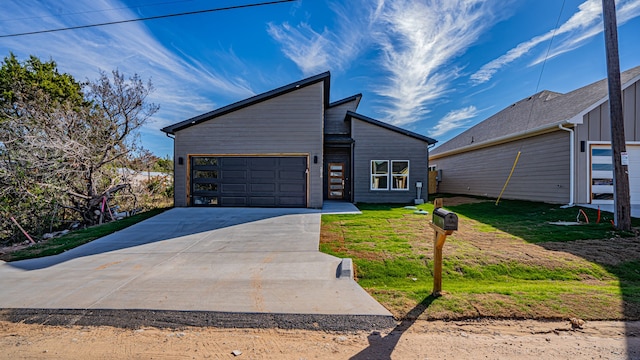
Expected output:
(543, 109)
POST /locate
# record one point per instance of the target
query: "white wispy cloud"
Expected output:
(454, 120)
(316, 51)
(181, 83)
(304, 46)
(417, 42)
(580, 27)
(625, 11)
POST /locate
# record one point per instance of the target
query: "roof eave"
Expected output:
(428, 140)
(578, 118)
(547, 128)
(356, 97)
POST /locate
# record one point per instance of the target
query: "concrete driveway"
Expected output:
(235, 260)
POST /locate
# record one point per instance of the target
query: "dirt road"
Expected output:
(485, 339)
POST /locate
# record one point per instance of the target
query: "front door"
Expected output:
(336, 181)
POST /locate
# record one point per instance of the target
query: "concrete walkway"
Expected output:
(235, 260)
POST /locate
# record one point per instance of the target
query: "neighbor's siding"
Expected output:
(376, 143)
(598, 123)
(541, 174)
(288, 124)
(596, 128)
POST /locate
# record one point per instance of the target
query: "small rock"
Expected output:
(576, 323)
(340, 339)
(236, 352)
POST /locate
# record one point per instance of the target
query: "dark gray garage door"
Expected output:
(249, 181)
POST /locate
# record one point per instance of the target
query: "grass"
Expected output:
(500, 263)
(530, 220)
(77, 238)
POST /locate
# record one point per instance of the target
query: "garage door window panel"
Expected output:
(205, 174)
(211, 187)
(205, 200)
(205, 161)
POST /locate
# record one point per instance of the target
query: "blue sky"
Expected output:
(433, 67)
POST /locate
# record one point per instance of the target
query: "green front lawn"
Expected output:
(505, 261)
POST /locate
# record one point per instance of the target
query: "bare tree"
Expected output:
(61, 153)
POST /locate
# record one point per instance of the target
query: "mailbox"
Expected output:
(445, 220)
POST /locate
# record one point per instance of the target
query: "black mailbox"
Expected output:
(445, 220)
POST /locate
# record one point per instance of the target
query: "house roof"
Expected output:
(353, 115)
(356, 97)
(529, 116)
(326, 76)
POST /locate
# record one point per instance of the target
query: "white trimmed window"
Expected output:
(379, 174)
(400, 175)
(390, 175)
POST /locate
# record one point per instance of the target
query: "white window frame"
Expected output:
(392, 175)
(389, 176)
(589, 185)
(373, 176)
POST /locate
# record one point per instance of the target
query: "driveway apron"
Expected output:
(195, 259)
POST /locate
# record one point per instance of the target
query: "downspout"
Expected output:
(571, 163)
(352, 184)
(175, 165)
(426, 188)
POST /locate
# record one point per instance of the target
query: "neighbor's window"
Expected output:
(379, 175)
(400, 175)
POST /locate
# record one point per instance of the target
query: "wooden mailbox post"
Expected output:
(444, 223)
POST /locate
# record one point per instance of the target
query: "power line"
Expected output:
(93, 11)
(149, 18)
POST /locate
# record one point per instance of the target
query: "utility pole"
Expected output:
(621, 195)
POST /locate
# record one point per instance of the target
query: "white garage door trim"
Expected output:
(601, 173)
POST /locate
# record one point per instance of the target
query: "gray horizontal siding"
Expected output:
(288, 124)
(376, 143)
(334, 123)
(542, 172)
(596, 127)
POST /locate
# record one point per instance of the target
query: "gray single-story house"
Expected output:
(564, 142)
(291, 147)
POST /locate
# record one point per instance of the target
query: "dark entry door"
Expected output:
(336, 181)
(249, 181)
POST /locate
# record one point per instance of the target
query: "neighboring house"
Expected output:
(291, 147)
(138, 178)
(565, 146)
